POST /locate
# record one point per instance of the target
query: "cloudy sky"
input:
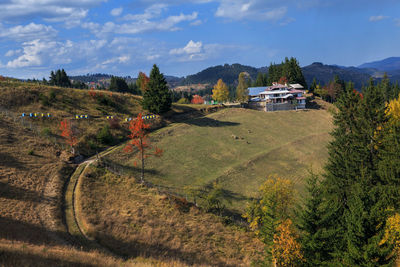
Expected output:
(184, 37)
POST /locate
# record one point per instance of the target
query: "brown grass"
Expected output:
(136, 221)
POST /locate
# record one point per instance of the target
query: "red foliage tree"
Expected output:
(67, 133)
(283, 80)
(197, 99)
(333, 90)
(92, 92)
(142, 81)
(357, 92)
(139, 139)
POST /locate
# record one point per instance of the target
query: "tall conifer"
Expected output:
(157, 98)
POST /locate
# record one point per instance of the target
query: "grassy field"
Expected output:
(237, 148)
(133, 220)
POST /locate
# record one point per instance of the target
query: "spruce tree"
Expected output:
(313, 86)
(313, 240)
(157, 99)
(261, 80)
(353, 187)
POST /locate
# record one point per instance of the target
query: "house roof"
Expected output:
(296, 86)
(276, 86)
(256, 90)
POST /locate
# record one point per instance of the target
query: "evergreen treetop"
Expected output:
(157, 98)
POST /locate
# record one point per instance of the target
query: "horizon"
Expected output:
(184, 37)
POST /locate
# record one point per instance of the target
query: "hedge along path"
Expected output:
(72, 214)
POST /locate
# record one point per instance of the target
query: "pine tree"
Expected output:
(157, 98)
(261, 80)
(242, 93)
(118, 84)
(313, 86)
(314, 243)
(353, 188)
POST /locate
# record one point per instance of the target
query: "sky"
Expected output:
(185, 37)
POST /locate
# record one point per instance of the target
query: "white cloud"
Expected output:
(50, 10)
(287, 21)
(150, 12)
(196, 23)
(33, 54)
(28, 32)
(251, 9)
(139, 25)
(120, 59)
(397, 22)
(11, 53)
(116, 11)
(190, 48)
(197, 51)
(377, 18)
(152, 57)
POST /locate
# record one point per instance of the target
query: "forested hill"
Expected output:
(228, 73)
(321, 72)
(326, 73)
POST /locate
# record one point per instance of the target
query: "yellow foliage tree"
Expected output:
(274, 206)
(220, 91)
(392, 232)
(393, 109)
(286, 251)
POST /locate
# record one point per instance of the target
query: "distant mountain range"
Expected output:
(321, 72)
(388, 64)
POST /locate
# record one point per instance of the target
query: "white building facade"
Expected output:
(277, 97)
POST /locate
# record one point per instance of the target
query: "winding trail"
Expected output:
(71, 213)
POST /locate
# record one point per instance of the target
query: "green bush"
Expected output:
(46, 131)
(52, 95)
(183, 100)
(105, 101)
(44, 100)
(104, 136)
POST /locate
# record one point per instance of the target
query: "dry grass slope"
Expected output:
(133, 220)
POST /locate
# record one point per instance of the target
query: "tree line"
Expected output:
(351, 213)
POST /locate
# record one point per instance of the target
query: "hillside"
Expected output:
(387, 64)
(326, 73)
(133, 220)
(238, 149)
(228, 73)
(322, 72)
(35, 168)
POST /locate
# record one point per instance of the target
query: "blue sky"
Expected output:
(184, 37)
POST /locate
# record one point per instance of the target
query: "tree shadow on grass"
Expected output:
(210, 122)
(127, 169)
(197, 117)
(18, 193)
(129, 249)
(12, 229)
(9, 161)
(313, 105)
(26, 258)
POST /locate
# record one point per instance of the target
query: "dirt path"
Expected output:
(71, 211)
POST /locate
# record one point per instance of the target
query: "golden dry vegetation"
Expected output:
(133, 220)
(33, 174)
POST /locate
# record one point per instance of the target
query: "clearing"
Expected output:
(237, 148)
